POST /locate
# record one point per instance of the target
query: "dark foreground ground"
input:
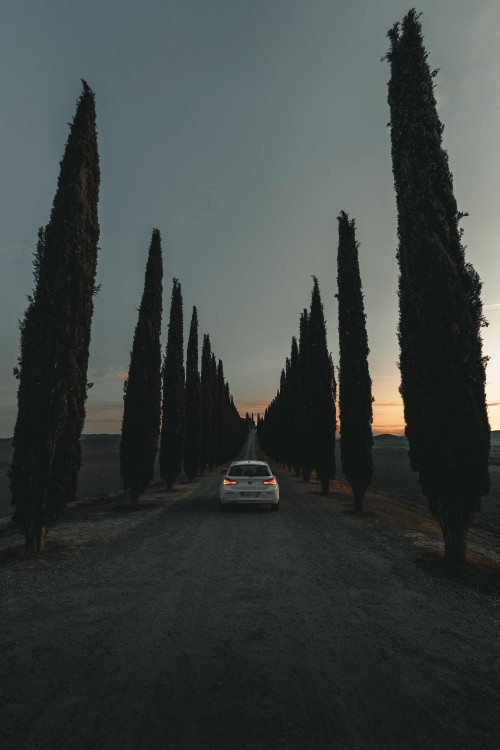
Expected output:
(250, 629)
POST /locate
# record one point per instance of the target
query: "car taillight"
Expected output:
(269, 481)
(230, 481)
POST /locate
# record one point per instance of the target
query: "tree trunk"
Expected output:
(325, 486)
(36, 538)
(306, 474)
(455, 545)
(358, 501)
(134, 497)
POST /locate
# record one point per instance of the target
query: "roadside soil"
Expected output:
(179, 626)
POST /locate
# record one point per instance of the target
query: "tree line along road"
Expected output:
(247, 629)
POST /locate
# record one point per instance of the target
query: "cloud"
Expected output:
(495, 403)
(492, 306)
(15, 252)
(485, 20)
(484, 34)
(109, 374)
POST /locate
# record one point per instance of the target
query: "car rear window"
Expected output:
(249, 471)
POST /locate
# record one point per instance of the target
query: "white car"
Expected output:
(249, 482)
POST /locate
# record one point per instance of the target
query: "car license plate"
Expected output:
(250, 494)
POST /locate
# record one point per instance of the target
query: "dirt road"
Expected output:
(247, 629)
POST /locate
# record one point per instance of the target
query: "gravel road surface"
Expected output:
(247, 629)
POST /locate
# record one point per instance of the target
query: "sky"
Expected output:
(240, 129)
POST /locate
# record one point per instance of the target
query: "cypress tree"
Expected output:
(287, 416)
(142, 389)
(294, 407)
(221, 415)
(237, 428)
(55, 338)
(355, 385)
(442, 369)
(206, 402)
(214, 426)
(192, 446)
(306, 463)
(322, 394)
(174, 395)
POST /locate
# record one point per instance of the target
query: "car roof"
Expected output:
(245, 463)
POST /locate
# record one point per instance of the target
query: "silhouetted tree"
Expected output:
(214, 427)
(55, 338)
(355, 385)
(237, 428)
(322, 394)
(442, 369)
(206, 402)
(304, 405)
(221, 416)
(288, 412)
(294, 407)
(142, 389)
(174, 395)
(279, 432)
(192, 445)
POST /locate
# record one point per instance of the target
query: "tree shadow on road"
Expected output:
(477, 573)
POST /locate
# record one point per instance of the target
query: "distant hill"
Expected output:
(100, 436)
(87, 436)
(387, 440)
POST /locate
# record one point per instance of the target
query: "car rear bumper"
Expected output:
(241, 498)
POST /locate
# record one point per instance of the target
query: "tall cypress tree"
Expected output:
(442, 369)
(237, 428)
(294, 407)
(221, 415)
(304, 406)
(282, 420)
(288, 407)
(322, 394)
(55, 338)
(192, 444)
(174, 394)
(206, 402)
(355, 385)
(142, 389)
(214, 427)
